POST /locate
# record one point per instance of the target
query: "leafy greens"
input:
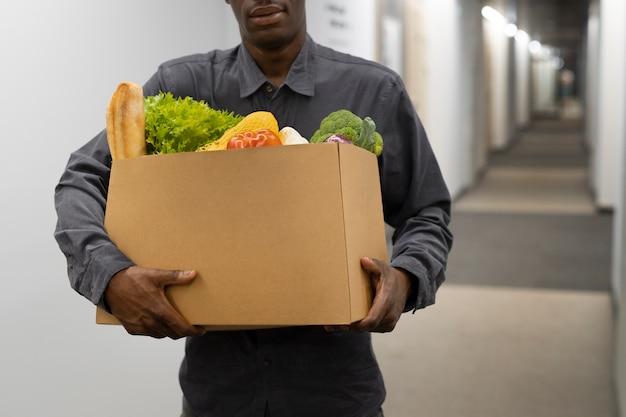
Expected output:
(183, 124)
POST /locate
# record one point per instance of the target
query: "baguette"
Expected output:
(126, 122)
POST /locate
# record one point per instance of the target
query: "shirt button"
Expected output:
(267, 362)
(269, 88)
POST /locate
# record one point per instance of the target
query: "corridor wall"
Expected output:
(61, 61)
(619, 258)
(345, 25)
(619, 275)
(522, 80)
(544, 73)
(498, 72)
(472, 96)
(611, 105)
(442, 51)
(592, 81)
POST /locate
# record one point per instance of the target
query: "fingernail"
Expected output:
(187, 274)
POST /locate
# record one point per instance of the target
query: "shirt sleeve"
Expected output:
(80, 202)
(416, 200)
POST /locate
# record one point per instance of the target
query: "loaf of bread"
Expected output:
(126, 122)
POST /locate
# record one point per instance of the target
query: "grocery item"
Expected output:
(251, 123)
(256, 139)
(338, 139)
(290, 136)
(347, 126)
(163, 124)
(125, 122)
(183, 124)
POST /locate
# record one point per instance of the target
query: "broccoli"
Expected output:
(361, 132)
(378, 144)
(341, 122)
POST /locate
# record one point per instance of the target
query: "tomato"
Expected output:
(256, 139)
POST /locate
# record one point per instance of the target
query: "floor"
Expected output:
(522, 327)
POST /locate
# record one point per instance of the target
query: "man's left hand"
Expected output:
(392, 287)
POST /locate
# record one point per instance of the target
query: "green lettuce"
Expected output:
(183, 124)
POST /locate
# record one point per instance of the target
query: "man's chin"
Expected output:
(271, 38)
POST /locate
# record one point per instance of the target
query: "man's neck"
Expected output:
(275, 63)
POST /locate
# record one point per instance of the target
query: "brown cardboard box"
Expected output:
(276, 234)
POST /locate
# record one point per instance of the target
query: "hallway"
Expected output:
(533, 215)
(531, 251)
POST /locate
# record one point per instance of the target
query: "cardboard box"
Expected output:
(276, 234)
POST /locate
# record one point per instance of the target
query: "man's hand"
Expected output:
(136, 297)
(392, 287)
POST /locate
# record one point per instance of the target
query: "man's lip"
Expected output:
(261, 11)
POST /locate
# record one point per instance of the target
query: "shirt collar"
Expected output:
(299, 79)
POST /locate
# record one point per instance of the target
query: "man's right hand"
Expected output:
(136, 297)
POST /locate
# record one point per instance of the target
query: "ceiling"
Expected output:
(558, 23)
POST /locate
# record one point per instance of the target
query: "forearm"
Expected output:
(421, 246)
(80, 201)
(416, 201)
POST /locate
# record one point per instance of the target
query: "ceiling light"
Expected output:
(534, 47)
(493, 15)
(510, 30)
(522, 36)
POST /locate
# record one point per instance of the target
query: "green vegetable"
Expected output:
(366, 138)
(183, 124)
(362, 132)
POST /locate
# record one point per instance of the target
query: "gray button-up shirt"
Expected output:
(300, 371)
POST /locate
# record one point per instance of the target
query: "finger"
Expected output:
(378, 311)
(373, 266)
(138, 330)
(175, 322)
(200, 329)
(173, 277)
(155, 326)
(388, 324)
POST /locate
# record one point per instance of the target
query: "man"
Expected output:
(300, 371)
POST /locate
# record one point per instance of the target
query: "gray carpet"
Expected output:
(535, 251)
(539, 148)
(518, 227)
(501, 352)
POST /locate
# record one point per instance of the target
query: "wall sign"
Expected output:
(345, 25)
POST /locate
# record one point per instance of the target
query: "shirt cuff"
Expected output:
(105, 262)
(417, 275)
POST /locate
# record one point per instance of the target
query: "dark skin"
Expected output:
(274, 32)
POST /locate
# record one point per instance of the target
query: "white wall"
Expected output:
(443, 118)
(591, 85)
(619, 258)
(392, 44)
(522, 81)
(345, 25)
(441, 50)
(611, 105)
(472, 147)
(61, 61)
(498, 70)
(416, 68)
(619, 275)
(544, 84)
